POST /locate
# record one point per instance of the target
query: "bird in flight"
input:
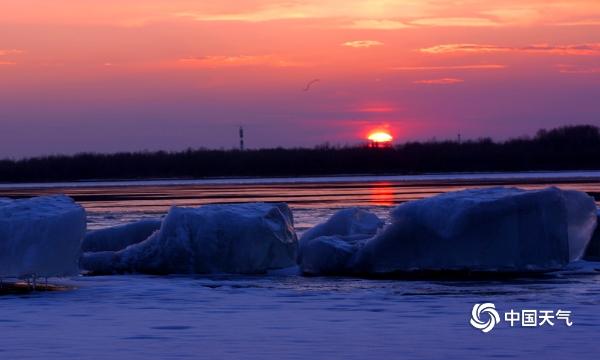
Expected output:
(309, 84)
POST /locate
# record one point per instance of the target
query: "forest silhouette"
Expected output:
(565, 148)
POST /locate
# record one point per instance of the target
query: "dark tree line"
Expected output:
(565, 148)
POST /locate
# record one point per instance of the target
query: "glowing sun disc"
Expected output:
(380, 137)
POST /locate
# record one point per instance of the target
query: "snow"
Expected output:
(232, 238)
(119, 237)
(490, 229)
(40, 236)
(593, 250)
(328, 248)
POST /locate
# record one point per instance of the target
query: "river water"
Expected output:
(286, 316)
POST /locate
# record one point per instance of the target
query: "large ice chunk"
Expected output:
(119, 237)
(593, 250)
(328, 248)
(329, 255)
(40, 236)
(233, 238)
(346, 222)
(492, 229)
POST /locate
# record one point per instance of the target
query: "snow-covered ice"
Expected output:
(40, 236)
(490, 229)
(328, 248)
(232, 238)
(119, 237)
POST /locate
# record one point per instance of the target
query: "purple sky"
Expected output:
(118, 75)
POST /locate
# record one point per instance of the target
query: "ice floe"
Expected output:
(40, 236)
(231, 238)
(481, 230)
(593, 250)
(328, 248)
(491, 229)
(119, 237)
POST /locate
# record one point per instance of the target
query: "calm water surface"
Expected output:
(285, 316)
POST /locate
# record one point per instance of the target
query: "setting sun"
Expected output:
(380, 137)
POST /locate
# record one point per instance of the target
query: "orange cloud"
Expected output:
(411, 13)
(442, 81)
(362, 43)
(580, 49)
(450, 48)
(544, 12)
(360, 14)
(577, 49)
(238, 60)
(587, 22)
(455, 21)
(4, 52)
(378, 24)
(451, 67)
(374, 14)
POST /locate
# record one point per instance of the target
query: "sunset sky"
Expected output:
(112, 75)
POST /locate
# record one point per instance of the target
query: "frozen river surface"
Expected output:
(286, 316)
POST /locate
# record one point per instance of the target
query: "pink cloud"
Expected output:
(455, 21)
(4, 52)
(362, 43)
(379, 24)
(451, 67)
(571, 69)
(238, 60)
(442, 81)
(575, 49)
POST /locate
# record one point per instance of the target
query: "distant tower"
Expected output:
(241, 138)
(459, 138)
